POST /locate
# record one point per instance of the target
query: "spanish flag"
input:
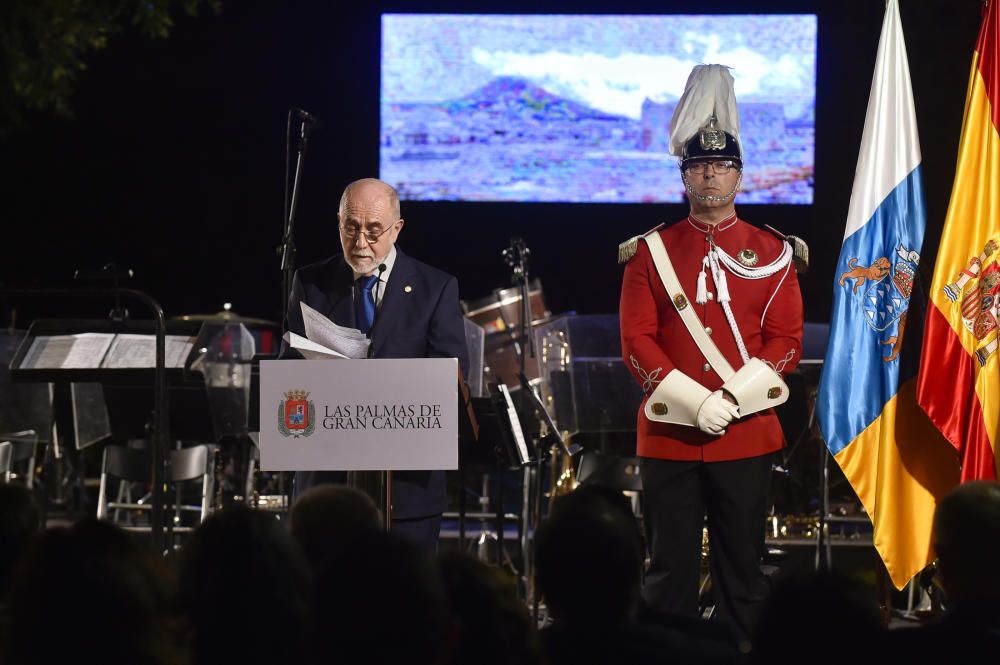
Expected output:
(959, 381)
(894, 458)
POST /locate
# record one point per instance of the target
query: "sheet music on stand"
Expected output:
(103, 351)
(515, 422)
(136, 351)
(79, 351)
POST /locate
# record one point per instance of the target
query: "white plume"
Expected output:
(709, 90)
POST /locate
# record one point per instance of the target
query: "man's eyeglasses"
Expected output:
(351, 232)
(719, 168)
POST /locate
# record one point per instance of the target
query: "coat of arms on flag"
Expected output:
(888, 296)
(296, 414)
(960, 343)
(978, 286)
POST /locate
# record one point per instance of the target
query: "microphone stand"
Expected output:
(287, 248)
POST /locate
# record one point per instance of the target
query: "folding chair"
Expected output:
(132, 468)
(129, 466)
(190, 464)
(18, 456)
(6, 452)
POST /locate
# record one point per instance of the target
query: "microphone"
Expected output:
(306, 117)
(371, 331)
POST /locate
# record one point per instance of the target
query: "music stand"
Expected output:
(120, 366)
(498, 445)
(532, 484)
(475, 336)
(159, 434)
(23, 406)
(585, 385)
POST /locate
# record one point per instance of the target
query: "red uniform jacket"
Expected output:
(768, 312)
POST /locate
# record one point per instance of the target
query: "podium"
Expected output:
(359, 415)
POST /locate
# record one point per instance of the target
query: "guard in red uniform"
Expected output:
(711, 317)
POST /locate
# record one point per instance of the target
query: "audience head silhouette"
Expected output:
(328, 517)
(380, 601)
(494, 626)
(238, 563)
(801, 604)
(19, 522)
(589, 558)
(967, 542)
(100, 590)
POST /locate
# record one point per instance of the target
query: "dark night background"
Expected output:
(173, 165)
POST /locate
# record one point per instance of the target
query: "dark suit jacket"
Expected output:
(424, 321)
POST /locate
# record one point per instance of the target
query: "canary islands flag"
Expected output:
(960, 369)
(896, 461)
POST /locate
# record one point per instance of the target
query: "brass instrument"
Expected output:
(562, 479)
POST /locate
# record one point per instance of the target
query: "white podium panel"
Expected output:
(359, 415)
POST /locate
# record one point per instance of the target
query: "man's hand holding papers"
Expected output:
(325, 339)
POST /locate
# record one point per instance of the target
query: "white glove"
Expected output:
(715, 413)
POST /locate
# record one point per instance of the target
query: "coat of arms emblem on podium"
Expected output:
(296, 414)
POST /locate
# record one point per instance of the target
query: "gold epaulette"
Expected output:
(627, 249)
(800, 250)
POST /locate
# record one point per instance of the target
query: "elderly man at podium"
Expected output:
(407, 308)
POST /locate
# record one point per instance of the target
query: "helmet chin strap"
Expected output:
(701, 197)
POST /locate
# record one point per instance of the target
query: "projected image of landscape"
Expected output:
(573, 108)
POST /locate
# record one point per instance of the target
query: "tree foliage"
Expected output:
(44, 44)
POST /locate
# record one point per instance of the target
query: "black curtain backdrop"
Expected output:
(173, 165)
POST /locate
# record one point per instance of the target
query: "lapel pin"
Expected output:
(407, 288)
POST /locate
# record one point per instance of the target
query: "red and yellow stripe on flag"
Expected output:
(959, 381)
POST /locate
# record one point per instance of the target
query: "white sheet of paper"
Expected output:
(522, 446)
(349, 342)
(131, 351)
(81, 351)
(309, 349)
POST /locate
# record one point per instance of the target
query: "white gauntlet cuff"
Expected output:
(756, 387)
(676, 400)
